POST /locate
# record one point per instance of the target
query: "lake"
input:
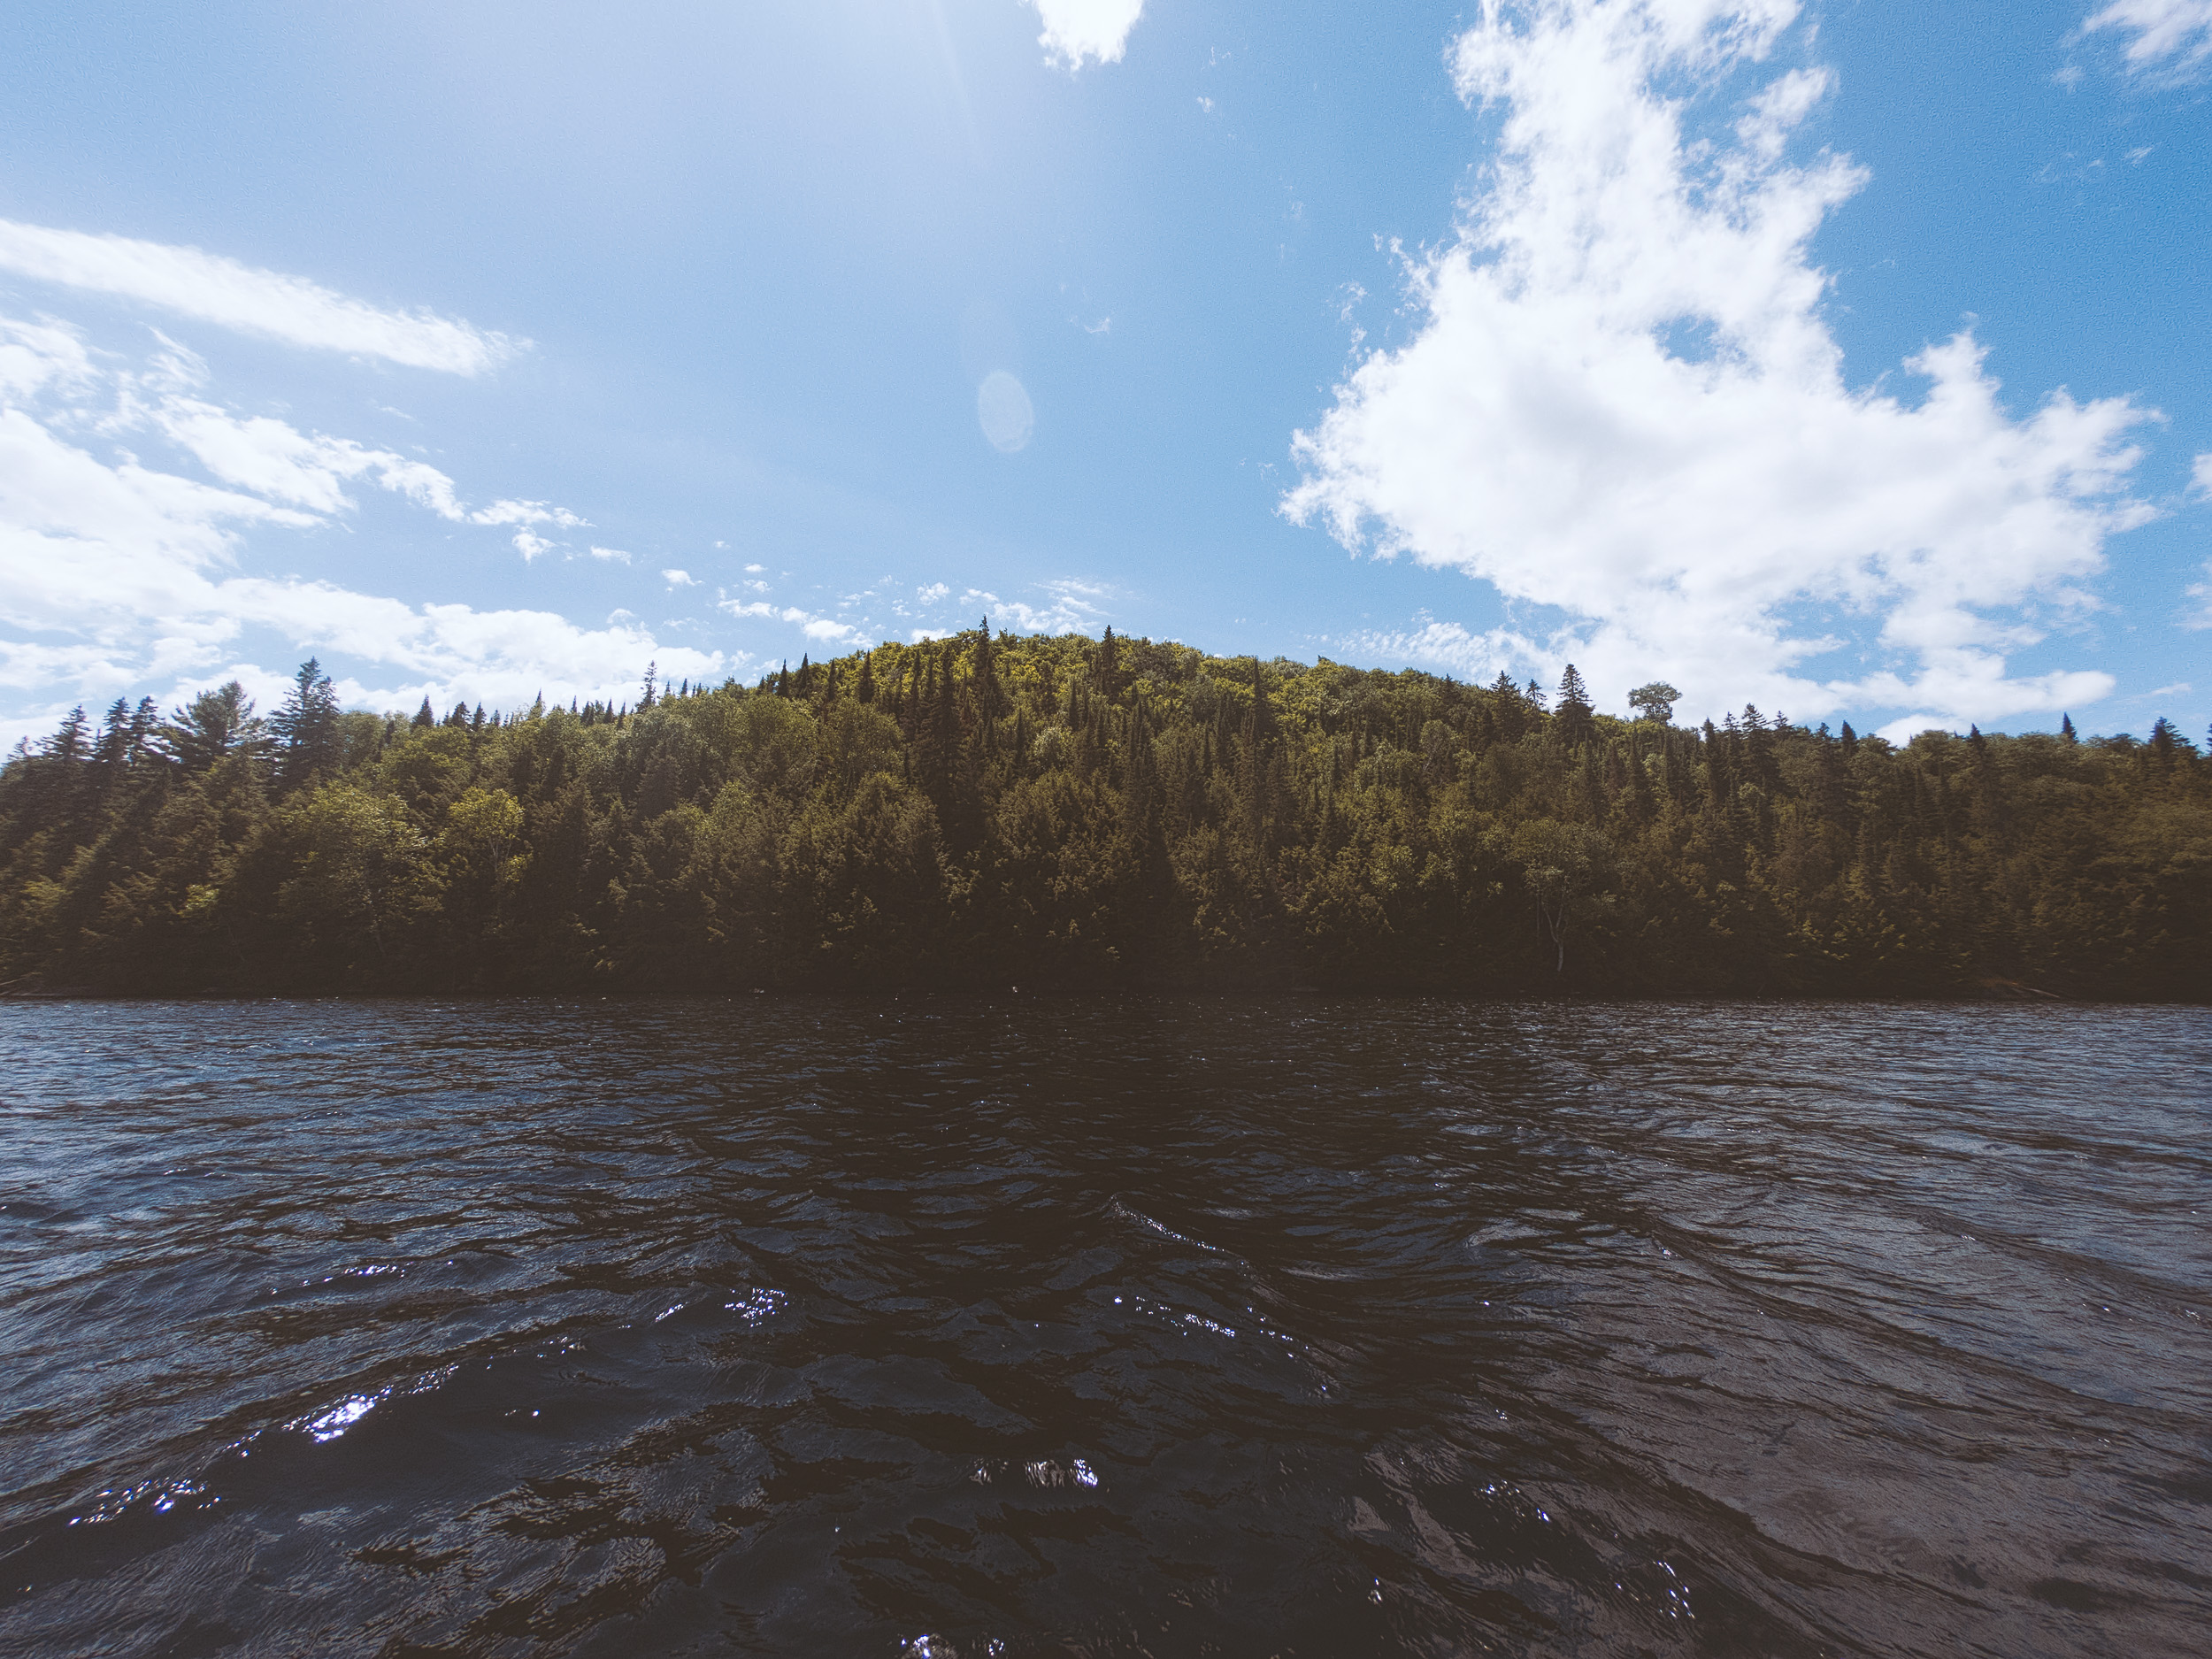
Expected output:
(962, 1326)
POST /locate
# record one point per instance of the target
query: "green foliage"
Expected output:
(990, 810)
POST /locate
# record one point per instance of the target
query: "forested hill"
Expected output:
(1040, 811)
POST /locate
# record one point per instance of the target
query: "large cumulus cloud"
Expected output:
(1623, 401)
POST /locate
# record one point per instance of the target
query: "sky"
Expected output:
(1852, 359)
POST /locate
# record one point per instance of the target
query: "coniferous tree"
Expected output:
(213, 726)
(1574, 718)
(306, 726)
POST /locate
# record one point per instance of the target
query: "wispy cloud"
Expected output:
(1448, 646)
(2202, 593)
(2169, 38)
(1086, 31)
(116, 572)
(1070, 607)
(1621, 399)
(215, 289)
(828, 630)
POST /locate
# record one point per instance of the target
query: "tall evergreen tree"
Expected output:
(306, 726)
(1573, 718)
(213, 726)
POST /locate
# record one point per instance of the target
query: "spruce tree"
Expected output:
(1576, 726)
(990, 697)
(69, 742)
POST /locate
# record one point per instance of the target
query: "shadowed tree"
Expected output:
(1564, 865)
(306, 726)
(213, 726)
(1574, 719)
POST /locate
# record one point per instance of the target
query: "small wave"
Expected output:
(1117, 1208)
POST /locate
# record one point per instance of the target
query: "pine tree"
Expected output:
(213, 726)
(113, 745)
(1576, 726)
(865, 690)
(990, 696)
(2066, 729)
(68, 743)
(423, 716)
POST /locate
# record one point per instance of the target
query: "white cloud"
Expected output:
(2203, 484)
(933, 594)
(117, 573)
(753, 570)
(815, 627)
(1077, 31)
(1073, 608)
(612, 554)
(1477, 658)
(680, 578)
(529, 512)
(2201, 592)
(264, 303)
(1623, 402)
(272, 458)
(2172, 38)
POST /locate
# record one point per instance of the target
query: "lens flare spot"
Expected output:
(1007, 417)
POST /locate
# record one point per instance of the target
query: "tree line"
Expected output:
(988, 810)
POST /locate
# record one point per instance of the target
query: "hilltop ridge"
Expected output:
(1056, 811)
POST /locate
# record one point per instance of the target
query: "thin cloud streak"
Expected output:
(207, 287)
(2170, 39)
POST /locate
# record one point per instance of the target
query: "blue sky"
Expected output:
(481, 350)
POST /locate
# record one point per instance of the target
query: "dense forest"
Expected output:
(1056, 811)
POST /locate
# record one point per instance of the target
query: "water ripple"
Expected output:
(1323, 1326)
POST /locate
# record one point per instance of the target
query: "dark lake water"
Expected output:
(1310, 1327)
